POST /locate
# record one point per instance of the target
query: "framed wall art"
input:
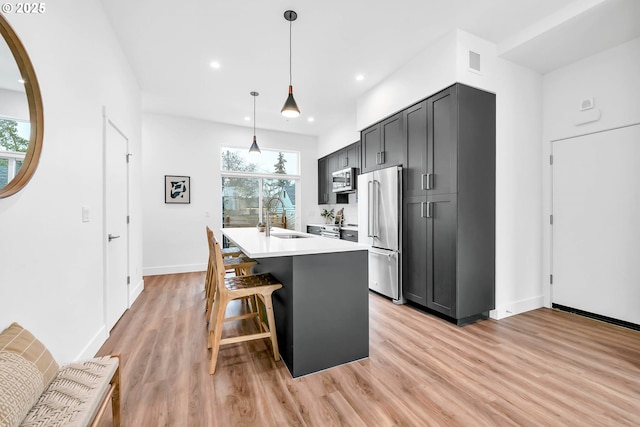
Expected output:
(177, 189)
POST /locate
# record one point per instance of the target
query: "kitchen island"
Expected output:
(322, 310)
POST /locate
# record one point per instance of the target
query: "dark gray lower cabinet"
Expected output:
(449, 204)
(349, 235)
(314, 229)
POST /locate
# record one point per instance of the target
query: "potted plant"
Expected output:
(328, 215)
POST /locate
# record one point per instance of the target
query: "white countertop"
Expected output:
(256, 245)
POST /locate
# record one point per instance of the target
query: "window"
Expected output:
(14, 142)
(251, 184)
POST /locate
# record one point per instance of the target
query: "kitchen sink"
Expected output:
(290, 236)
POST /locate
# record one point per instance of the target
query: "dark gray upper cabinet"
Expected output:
(348, 157)
(383, 144)
(323, 195)
(415, 166)
(449, 204)
(370, 140)
(326, 165)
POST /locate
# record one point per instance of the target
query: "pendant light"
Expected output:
(254, 146)
(290, 108)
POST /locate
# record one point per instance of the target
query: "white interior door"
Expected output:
(116, 224)
(596, 223)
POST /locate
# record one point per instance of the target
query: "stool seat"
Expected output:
(231, 252)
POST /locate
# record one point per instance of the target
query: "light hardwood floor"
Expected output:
(541, 368)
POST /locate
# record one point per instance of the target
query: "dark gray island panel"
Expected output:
(322, 311)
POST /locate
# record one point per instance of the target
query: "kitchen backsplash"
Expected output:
(350, 211)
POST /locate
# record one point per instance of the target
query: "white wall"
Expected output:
(611, 79)
(51, 271)
(343, 134)
(174, 235)
(427, 73)
(518, 189)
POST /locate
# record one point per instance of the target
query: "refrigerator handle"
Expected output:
(376, 206)
(369, 209)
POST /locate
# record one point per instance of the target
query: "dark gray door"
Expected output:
(394, 142)
(415, 166)
(442, 142)
(414, 253)
(441, 253)
(370, 140)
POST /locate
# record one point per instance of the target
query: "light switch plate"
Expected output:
(85, 213)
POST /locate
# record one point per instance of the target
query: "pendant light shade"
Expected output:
(290, 108)
(254, 146)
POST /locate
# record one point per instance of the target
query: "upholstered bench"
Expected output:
(35, 391)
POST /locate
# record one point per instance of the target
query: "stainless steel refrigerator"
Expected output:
(380, 227)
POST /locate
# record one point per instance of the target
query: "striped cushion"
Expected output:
(26, 369)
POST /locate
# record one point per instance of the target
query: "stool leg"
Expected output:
(217, 334)
(272, 325)
(212, 319)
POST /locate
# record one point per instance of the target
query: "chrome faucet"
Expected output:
(267, 230)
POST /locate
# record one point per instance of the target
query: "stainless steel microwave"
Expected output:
(344, 180)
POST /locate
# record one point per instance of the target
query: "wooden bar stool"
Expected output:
(232, 288)
(240, 265)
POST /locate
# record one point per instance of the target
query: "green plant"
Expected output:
(328, 215)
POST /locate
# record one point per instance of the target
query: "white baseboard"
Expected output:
(174, 269)
(90, 350)
(135, 292)
(517, 307)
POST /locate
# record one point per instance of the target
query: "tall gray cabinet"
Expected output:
(449, 204)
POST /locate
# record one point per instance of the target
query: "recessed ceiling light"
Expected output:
(359, 77)
(215, 65)
(311, 119)
(247, 118)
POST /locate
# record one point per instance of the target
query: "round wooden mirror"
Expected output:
(21, 122)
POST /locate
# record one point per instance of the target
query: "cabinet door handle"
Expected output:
(378, 158)
(382, 157)
(422, 209)
(426, 181)
(346, 161)
(429, 208)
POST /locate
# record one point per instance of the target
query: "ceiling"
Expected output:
(170, 46)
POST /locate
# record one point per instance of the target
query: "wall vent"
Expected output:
(474, 61)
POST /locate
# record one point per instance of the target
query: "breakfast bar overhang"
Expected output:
(322, 310)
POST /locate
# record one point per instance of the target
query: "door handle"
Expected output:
(429, 208)
(112, 237)
(382, 157)
(422, 205)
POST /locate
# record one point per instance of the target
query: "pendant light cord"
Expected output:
(290, 74)
(254, 116)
